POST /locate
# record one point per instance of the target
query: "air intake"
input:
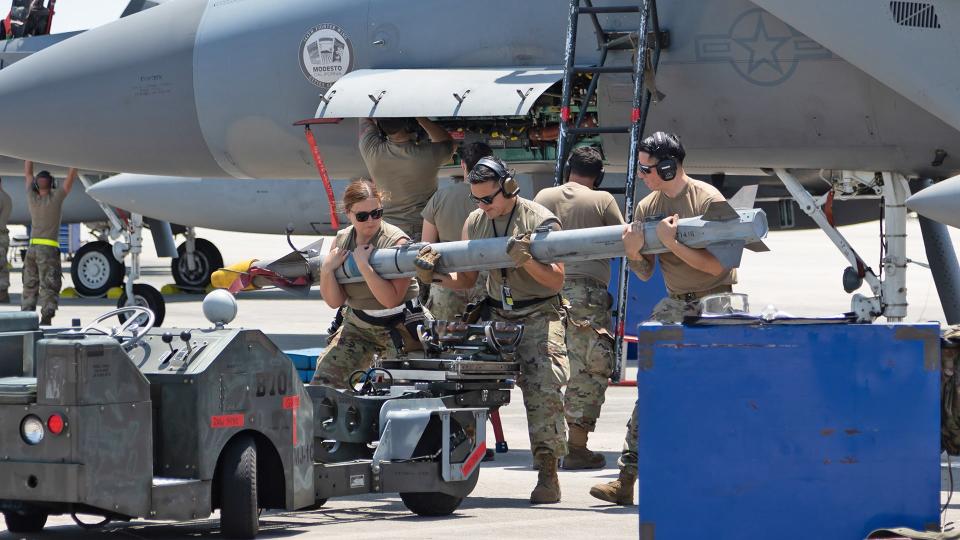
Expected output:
(914, 14)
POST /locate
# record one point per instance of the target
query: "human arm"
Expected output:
(700, 259)
(28, 174)
(68, 183)
(458, 280)
(331, 291)
(642, 265)
(547, 274)
(434, 131)
(389, 292)
(430, 233)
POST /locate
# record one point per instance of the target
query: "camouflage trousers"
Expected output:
(542, 355)
(448, 304)
(673, 310)
(41, 277)
(351, 348)
(590, 348)
(4, 264)
(628, 458)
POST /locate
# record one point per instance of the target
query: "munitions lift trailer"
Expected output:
(136, 422)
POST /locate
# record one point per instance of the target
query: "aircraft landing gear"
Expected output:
(198, 260)
(131, 245)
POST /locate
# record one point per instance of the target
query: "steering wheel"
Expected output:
(129, 333)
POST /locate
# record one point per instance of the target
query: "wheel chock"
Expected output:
(69, 292)
(114, 293)
(170, 289)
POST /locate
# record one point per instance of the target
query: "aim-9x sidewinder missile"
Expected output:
(723, 231)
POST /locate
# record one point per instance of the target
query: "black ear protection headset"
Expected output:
(664, 144)
(44, 174)
(509, 186)
(566, 175)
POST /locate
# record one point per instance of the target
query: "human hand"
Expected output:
(334, 259)
(362, 254)
(518, 248)
(426, 261)
(633, 240)
(667, 230)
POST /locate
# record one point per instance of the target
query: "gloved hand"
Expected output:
(426, 261)
(518, 248)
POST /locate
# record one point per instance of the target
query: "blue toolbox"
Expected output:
(784, 431)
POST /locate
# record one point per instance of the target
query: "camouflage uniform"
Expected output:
(4, 265)
(41, 273)
(542, 355)
(628, 458)
(351, 348)
(589, 348)
(448, 304)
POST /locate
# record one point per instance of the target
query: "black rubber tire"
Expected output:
(209, 261)
(25, 522)
(95, 270)
(431, 504)
(148, 297)
(239, 516)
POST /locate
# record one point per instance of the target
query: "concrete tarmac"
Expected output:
(801, 275)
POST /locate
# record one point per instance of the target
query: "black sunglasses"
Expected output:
(646, 169)
(488, 200)
(363, 216)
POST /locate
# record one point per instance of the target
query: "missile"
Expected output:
(939, 202)
(723, 231)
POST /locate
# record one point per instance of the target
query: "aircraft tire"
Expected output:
(95, 270)
(30, 522)
(239, 515)
(148, 297)
(208, 260)
(431, 504)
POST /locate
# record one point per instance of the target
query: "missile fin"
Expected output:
(757, 246)
(720, 211)
(745, 198)
(727, 253)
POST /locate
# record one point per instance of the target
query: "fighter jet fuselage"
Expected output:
(213, 88)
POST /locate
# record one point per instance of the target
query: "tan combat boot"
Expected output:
(620, 491)
(548, 485)
(578, 456)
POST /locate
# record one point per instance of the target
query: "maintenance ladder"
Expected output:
(645, 61)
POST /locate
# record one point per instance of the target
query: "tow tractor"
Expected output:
(132, 421)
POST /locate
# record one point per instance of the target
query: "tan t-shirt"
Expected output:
(448, 209)
(579, 207)
(527, 217)
(6, 206)
(407, 172)
(45, 212)
(693, 201)
(359, 295)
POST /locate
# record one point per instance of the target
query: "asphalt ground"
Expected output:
(801, 275)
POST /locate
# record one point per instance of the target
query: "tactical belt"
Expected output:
(694, 296)
(520, 304)
(44, 242)
(404, 322)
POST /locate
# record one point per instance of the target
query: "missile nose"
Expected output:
(939, 202)
(116, 98)
(119, 190)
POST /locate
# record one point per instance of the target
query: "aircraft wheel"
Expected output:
(239, 516)
(95, 270)
(431, 504)
(208, 260)
(27, 522)
(145, 296)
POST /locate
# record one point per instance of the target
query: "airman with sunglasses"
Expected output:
(377, 311)
(528, 293)
(689, 274)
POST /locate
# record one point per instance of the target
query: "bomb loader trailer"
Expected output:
(142, 422)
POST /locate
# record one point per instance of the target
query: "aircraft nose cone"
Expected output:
(117, 98)
(939, 202)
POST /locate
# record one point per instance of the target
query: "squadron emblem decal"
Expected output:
(325, 55)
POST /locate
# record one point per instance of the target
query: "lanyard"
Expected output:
(507, 297)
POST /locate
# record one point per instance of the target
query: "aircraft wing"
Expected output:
(392, 93)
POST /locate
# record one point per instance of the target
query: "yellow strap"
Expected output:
(44, 242)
